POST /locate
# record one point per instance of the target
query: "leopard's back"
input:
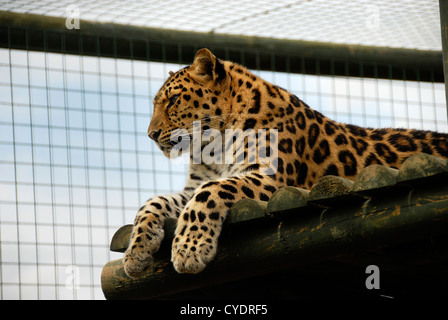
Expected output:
(206, 100)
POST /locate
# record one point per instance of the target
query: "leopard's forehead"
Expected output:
(170, 83)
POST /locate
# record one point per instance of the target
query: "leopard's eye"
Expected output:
(173, 100)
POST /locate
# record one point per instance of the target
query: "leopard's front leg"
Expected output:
(148, 233)
(200, 222)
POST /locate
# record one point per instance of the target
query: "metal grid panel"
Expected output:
(75, 163)
(404, 23)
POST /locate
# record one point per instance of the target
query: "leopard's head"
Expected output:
(191, 101)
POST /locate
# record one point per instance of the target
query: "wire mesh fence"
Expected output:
(76, 163)
(404, 23)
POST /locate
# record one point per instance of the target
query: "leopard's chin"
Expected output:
(172, 149)
(171, 152)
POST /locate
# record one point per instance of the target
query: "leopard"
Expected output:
(212, 96)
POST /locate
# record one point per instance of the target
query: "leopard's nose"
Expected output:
(154, 135)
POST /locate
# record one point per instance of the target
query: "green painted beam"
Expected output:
(443, 9)
(125, 41)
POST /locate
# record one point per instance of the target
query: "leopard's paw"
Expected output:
(190, 255)
(136, 264)
(138, 257)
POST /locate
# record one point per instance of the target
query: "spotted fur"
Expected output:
(224, 95)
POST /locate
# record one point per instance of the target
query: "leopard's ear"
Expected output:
(206, 67)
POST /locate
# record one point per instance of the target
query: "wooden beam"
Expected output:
(276, 239)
